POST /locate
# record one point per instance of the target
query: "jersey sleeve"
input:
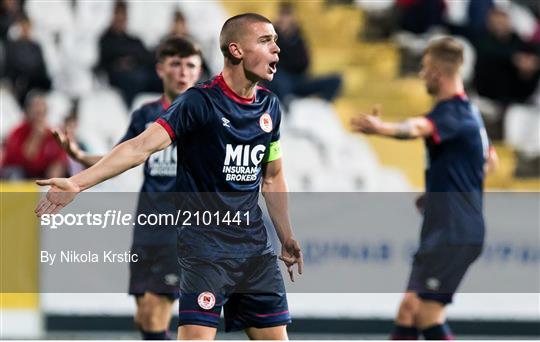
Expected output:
(445, 125)
(188, 113)
(136, 126)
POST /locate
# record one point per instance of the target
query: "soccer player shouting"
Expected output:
(453, 227)
(154, 279)
(227, 131)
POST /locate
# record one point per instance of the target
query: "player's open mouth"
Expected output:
(273, 67)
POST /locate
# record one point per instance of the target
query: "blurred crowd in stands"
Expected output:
(292, 78)
(74, 53)
(502, 71)
(71, 57)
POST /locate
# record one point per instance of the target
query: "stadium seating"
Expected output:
(344, 162)
(140, 23)
(522, 129)
(456, 12)
(370, 5)
(93, 17)
(522, 19)
(50, 17)
(467, 70)
(11, 112)
(79, 54)
(69, 36)
(302, 163)
(103, 119)
(59, 106)
(142, 99)
(212, 14)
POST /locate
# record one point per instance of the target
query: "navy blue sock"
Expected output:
(438, 332)
(162, 335)
(401, 332)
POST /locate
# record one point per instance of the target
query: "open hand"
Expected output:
(67, 144)
(61, 193)
(367, 123)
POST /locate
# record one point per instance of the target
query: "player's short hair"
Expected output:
(176, 46)
(447, 51)
(234, 27)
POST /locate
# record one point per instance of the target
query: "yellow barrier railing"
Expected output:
(19, 246)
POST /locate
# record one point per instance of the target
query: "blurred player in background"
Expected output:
(154, 279)
(228, 130)
(453, 228)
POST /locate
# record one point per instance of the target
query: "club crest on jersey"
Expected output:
(266, 122)
(206, 300)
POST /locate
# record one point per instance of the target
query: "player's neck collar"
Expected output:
(164, 103)
(457, 96)
(461, 95)
(230, 93)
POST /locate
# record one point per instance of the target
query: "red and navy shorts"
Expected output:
(438, 271)
(156, 271)
(250, 291)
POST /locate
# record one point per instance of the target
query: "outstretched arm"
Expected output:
(408, 129)
(123, 157)
(274, 189)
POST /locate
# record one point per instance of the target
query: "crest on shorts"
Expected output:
(171, 279)
(433, 284)
(206, 300)
(266, 123)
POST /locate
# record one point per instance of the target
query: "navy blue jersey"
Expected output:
(223, 141)
(159, 176)
(456, 153)
(160, 168)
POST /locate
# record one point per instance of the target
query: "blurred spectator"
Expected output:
(123, 57)
(25, 66)
(380, 19)
(10, 10)
(477, 14)
(507, 69)
(419, 16)
(179, 26)
(30, 149)
(292, 75)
